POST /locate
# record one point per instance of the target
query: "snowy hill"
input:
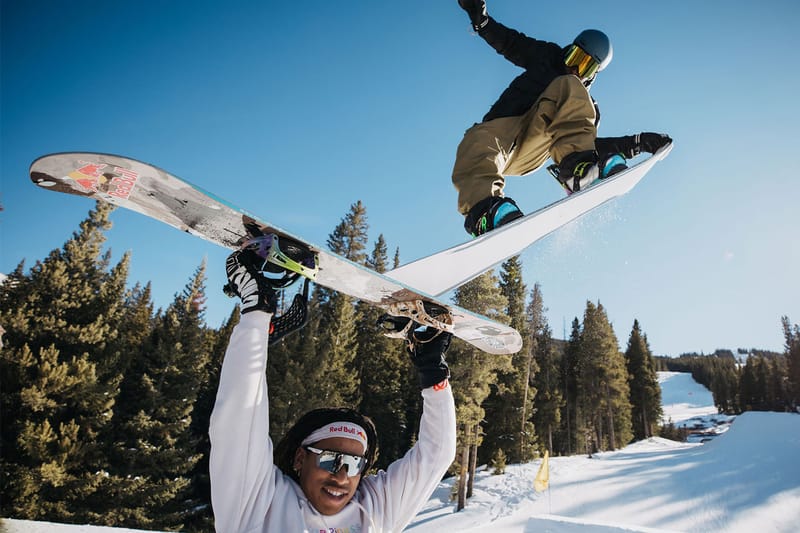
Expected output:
(746, 480)
(741, 482)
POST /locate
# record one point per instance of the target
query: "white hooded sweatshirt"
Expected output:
(250, 494)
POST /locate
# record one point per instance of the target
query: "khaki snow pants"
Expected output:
(560, 122)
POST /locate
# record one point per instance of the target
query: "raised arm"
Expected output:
(241, 453)
(515, 46)
(241, 466)
(397, 494)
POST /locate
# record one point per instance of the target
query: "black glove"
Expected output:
(632, 145)
(427, 351)
(247, 282)
(425, 346)
(476, 9)
(651, 142)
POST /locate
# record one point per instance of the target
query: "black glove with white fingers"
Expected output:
(476, 9)
(247, 282)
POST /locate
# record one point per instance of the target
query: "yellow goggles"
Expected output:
(586, 64)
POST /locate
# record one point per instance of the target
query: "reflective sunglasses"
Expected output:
(586, 64)
(332, 461)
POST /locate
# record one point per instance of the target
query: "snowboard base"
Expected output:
(160, 195)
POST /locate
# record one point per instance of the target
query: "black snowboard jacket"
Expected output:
(543, 62)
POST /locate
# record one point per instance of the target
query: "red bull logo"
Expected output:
(349, 430)
(99, 178)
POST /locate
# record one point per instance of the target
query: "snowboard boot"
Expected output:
(489, 214)
(579, 170)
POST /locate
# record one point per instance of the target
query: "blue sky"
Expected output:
(296, 110)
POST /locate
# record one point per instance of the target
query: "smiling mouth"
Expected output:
(334, 492)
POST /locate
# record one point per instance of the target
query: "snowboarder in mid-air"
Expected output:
(546, 112)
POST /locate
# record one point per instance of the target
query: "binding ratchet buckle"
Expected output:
(284, 256)
(402, 317)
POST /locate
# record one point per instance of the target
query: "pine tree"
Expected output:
(549, 397)
(572, 434)
(762, 383)
(723, 381)
(158, 396)
(498, 462)
(59, 377)
(349, 238)
(123, 505)
(604, 382)
(510, 401)
(473, 373)
(776, 391)
(748, 390)
(645, 392)
(136, 325)
(757, 390)
(792, 336)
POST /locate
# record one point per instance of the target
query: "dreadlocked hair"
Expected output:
(315, 419)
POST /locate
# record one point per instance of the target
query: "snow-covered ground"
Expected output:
(747, 480)
(743, 481)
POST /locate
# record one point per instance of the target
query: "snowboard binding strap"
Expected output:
(417, 311)
(403, 327)
(283, 256)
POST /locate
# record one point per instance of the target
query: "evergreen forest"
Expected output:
(105, 399)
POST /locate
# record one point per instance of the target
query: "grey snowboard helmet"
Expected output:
(589, 53)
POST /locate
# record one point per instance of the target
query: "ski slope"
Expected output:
(747, 479)
(682, 398)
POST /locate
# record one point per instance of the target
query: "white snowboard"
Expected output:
(443, 271)
(155, 193)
